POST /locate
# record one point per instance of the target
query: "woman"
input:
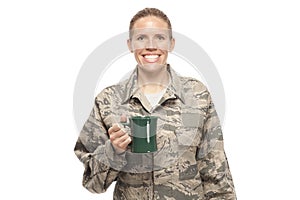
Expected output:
(190, 162)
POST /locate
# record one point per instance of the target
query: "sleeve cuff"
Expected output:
(117, 161)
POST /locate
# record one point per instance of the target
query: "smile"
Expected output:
(151, 58)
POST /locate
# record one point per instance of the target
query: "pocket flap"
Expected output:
(188, 136)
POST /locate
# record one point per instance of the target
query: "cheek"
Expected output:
(164, 57)
(137, 56)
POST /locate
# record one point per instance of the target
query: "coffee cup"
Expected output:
(143, 132)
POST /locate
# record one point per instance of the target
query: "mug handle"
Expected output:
(128, 125)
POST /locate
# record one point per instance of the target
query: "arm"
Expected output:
(212, 161)
(94, 149)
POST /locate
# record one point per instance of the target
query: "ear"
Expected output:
(172, 45)
(129, 45)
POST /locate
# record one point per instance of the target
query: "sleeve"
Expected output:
(212, 162)
(93, 148)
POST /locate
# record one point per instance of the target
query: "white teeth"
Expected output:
(151, 56)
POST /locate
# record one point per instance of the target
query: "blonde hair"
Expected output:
(150, 12)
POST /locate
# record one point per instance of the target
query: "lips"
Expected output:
(151, 58)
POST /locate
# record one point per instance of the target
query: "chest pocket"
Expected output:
(189, 133)
(188, 136)
(188, 140)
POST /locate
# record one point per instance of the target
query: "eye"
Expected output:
(140, 38)
(160, 37)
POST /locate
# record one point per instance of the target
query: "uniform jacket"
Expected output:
(190, 162)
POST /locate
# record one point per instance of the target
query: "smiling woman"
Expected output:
(189, 161)
(150, 40)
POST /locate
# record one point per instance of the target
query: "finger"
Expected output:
(120, 139)
(125, 142)
(123, 118)
(126, 129)
(114, 128)
(117, 134)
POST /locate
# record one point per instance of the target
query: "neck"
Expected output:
(153, 81)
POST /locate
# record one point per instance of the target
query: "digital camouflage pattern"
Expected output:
(190, 162)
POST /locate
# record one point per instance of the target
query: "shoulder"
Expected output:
(193, 91)
(193, 84)
(114, 91)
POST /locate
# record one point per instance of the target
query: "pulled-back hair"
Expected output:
(150, 12)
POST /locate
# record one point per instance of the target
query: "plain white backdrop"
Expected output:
(255, 46)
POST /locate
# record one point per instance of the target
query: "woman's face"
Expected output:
(151, 42)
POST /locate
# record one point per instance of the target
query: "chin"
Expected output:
(152, 67)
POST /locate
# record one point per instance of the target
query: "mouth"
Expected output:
(151, 58)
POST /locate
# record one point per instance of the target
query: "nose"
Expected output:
(151, 45)
(151, 48)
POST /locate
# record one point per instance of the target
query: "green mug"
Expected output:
(143, 132)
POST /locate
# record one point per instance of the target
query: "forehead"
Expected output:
(150, 22)
(150, 31)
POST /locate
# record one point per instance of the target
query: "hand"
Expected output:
(119, 138)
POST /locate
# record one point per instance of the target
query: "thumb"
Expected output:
(123, 118)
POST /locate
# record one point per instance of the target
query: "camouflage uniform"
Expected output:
(190, 162)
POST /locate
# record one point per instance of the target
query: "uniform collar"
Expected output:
(174, 90)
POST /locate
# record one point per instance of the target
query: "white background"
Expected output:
(43, 44)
